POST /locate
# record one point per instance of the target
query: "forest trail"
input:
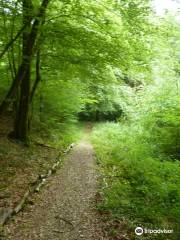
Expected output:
(65, 209)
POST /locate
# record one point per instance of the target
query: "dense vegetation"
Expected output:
(64, 61)
(139, 154)
(139, 162)
(61, 58)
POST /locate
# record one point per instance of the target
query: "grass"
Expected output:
(139, 184)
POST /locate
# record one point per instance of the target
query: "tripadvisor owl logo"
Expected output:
(139, 231)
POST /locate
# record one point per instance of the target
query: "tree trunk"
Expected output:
(38, 76)
(11, 42)
(21, 126)
(21, 120)
(22, 78)
(36, 82)
(13, 89)
(26, 58)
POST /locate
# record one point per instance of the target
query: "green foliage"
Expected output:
(55, 111)
(162, 119)
(80, 43)
(139, 160)
(103, 103)
(106, 60)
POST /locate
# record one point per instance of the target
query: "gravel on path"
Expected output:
(65, 209)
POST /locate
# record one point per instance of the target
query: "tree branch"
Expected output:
(10, 43)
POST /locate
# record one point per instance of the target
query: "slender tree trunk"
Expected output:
(13, 89)
(36, 82)
(11, 42)
(38, 76)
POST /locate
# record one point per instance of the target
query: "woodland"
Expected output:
(111, 64)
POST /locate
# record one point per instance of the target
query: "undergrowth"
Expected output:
(139, 165)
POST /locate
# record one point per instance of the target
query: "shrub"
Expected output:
(139, 166)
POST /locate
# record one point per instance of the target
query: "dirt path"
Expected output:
(65, 208)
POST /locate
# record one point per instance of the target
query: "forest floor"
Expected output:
(65, 209)
(20, 165)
